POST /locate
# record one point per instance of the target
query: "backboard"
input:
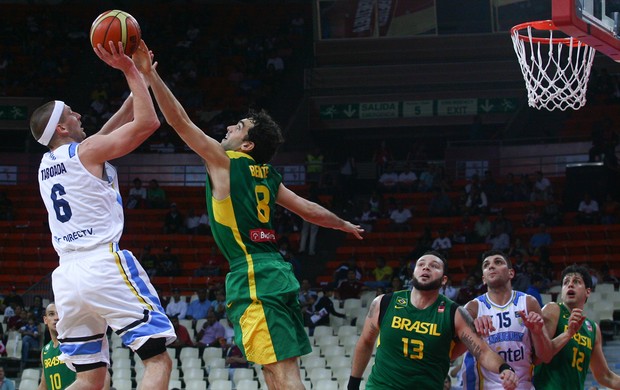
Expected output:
(594, 22)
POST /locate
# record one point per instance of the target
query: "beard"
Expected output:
(434, 285)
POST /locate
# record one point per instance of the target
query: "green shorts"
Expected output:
(262, 301)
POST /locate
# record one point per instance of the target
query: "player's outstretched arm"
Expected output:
(206, 147)
(315, 213)
(464, 326)
(365, 344)
(534, 321)
(126, 138)
(599, 367)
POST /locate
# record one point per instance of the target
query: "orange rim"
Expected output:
(543, 25)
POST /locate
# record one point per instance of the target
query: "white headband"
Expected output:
(50, 128)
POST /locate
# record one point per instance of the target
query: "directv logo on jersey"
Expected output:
(262, 235)
(52, 171)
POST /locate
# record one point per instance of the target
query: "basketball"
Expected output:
(116, 26)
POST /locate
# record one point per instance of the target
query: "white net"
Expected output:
(556, 70)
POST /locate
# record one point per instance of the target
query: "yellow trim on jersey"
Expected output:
(232, 154)
(224, 214)
(123, 273)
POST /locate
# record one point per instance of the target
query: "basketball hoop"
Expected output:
(556, 70)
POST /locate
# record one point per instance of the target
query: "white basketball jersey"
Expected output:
(511, 340)
(84, 211)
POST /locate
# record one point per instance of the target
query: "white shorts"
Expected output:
(102, 287)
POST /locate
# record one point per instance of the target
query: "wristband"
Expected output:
(505, 366)
(354, 383)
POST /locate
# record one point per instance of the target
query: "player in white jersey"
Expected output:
(96, 285)
(512, 324)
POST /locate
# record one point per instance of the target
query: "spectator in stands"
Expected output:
(382, 158)
(342, 272)
(449, 290)
(427, 178)
(350, 288)
(395, 285)
(440, 204)
(403, 271)
(211, 333)
(407, 180)
(219, 304)
(174, 221)
(204, 226)
(314, 166)
(30, 338)
(149, 261)
(532, 217)
(381, 274)
(192, 222)
(7, 212)
(489, 186)
(508, 188)
(400, 218)
(177, 307)
(13, 297)
(540, 239)
(499, 239)
(442, 243)
(542, 189)
(318, 311)
(477, 201)
(305, 292)
(375, 201)
(168, 264)
(422, 244)
(518, 251)
(535, 288)
(367, 218)
(552, 214)
(502, 222)
(523, 280)
(183, 338)
(156, 196)
(137, 195)
(18, 319)
(588, 212)
(469, 291)
(463, 231)
(199, 307)
(482, 228)
(5, 383)
(610, 210)
(37, 309)
(388, 181)
(233, 359)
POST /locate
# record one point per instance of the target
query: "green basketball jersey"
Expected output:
(242, 223)
(57, 375)
(413, 350)
(569, 367)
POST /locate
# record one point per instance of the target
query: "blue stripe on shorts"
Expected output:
(143, 290)
(88, 348)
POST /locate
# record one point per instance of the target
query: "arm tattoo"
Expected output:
(472, 345)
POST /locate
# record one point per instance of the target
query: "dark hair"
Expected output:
(266, 136)
(441, 257)
(578, 269)
(39, 118)
(495, 252)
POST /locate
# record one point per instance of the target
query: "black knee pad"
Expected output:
(88, 367)
(152, 347)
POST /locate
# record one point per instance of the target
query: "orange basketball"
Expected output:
(116, 26)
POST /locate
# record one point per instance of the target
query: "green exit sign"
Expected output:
(13, 113)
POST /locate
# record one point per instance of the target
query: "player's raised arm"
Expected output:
(315, 213)
(206, 147)
(99, 148)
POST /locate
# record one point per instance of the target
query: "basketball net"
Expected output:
(556, 70)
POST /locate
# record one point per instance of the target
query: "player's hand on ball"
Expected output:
(116, 58)
(143, 58)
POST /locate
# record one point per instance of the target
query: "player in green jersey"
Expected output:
(577, 344)
(242, 193)
(416, 333)
(55, 374)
